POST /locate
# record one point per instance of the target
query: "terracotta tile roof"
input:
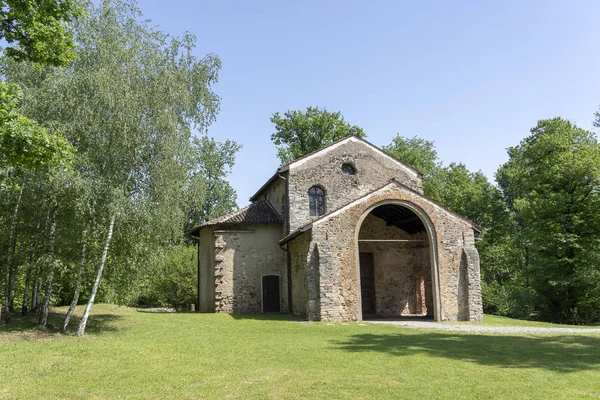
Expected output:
(261, 212)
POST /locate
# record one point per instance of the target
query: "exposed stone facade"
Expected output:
(373, 170)
(241, 259)
(434, 270)
(402, 269)
(449, 234)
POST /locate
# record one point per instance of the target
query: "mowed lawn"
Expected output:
(129, 354)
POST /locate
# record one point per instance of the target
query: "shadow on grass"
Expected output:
(27, 326)
(556, 353)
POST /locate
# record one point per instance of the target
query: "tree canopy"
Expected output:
(298, 132)
(129, 104)
(539, 249)
(551, 183)
(23, 142)
(37, 31)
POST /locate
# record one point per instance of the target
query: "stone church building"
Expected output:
(342, 234)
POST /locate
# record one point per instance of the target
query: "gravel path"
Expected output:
(484, 328)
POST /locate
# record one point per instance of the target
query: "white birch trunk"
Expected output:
(24, 306)
(11, 291)
(88, 307)
(37, 284)
(48, 294)
(9, 257)
(69, 313)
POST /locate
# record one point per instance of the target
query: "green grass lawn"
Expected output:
(128, 354)
(495, 320)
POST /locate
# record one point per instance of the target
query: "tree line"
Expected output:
(100, 165)
(105, 162)
(540, 246)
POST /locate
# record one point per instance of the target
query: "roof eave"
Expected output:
(296, 233)
(194, 232)
(271, 180)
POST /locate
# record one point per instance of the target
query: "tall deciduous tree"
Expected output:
(128, 103)
(472, 195)
(301, 132)
(552, 184)
(209, 192)
(422, 155)
(143, 92)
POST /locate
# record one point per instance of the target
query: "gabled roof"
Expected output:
(261, 212)
(309, 226)
(332, 146)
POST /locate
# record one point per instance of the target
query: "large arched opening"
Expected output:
(397, 262)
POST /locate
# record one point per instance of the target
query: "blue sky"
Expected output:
(472, 76)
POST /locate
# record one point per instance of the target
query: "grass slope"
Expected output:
(128, 354)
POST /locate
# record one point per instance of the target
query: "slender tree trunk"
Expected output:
(37, 284)
(65, 324)
(28, 275)
(14, 275)
(49, 278)
(90, 303)
(9, 257)
(27, 282)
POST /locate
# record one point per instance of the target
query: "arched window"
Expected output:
(348, 169)
(316, 200)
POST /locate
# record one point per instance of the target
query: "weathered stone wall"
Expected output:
(206, 271)
(373, 170)
(339, 286)
(242, 257)
(298, 249)
(275, 193)
(398, 268)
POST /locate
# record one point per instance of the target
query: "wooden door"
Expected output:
(367, 283)
(270, 293)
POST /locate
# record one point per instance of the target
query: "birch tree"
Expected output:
(129, 104)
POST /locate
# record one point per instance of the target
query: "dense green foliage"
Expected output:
(131, 354)
(128, 105)
(170, 280)
(551, 185)
(539, 249)
(23, 143)
(299, 132)
(39, 32)
(211, 195)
